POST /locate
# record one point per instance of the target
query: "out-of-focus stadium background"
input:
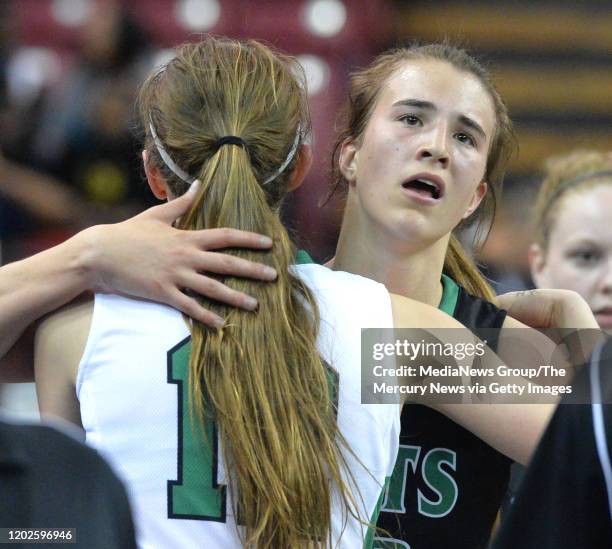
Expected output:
(69, 71)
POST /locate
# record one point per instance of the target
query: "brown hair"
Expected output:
(261, 373)
(578, 170)
(365, 88)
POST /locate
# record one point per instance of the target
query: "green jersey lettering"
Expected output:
(195, 495)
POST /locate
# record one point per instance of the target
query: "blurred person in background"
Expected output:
(573, 223)
(27, 197)
(81, 131)
(573, 231)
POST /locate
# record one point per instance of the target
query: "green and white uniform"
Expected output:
(447, 485)
(132, 387)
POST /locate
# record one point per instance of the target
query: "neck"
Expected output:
(405, 268)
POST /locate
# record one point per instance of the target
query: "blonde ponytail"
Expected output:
(461, 268)
(260, 377)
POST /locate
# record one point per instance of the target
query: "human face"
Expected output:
(419, 167)
(579, 254)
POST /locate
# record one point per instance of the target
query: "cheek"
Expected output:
(469, 173)
(373, 167)
(563, 273)
(378, 150)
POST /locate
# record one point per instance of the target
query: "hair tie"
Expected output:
(226, 140)
(229, 140)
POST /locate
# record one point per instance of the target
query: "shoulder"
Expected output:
(61, 338)
(319, 276)
(72, 321)
(476, 312)
(408, 313)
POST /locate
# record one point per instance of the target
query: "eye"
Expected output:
(411, 120)
(466, 138)
(585, 258)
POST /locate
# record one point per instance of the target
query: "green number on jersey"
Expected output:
(196, 494)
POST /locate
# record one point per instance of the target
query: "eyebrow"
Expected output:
(429, 106)
(471, 123)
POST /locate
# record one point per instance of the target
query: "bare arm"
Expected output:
(562, 314)
(60, 342)
(548, 308)
(31, 288)
(513, 429)
(143, 256)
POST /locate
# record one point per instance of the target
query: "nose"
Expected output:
(606, 278)
(435, 147)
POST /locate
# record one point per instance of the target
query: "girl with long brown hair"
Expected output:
(421, 153)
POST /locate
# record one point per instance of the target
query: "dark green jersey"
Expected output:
(447, 485)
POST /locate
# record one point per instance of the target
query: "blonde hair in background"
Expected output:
(261, 375)
(579, 170)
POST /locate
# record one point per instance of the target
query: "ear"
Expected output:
(479, 194)
(537, 266)
(348, 159)
(302, 167)
(156, 180)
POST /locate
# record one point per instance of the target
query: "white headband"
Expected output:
(183, 175)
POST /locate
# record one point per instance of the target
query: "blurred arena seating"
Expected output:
(329, 37)
(550, 59)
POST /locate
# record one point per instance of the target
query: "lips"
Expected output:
(604, 317)
(426, 187)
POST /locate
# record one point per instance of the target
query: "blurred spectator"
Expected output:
(573, 248)
(81, 129)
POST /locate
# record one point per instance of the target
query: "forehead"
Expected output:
(586, 211)
(451, 90)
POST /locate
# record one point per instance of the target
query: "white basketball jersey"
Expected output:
(132, 388)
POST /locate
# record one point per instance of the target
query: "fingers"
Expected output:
(173, 209)
(212, 239)
(194, 310)
(218, 291)
(226, 264)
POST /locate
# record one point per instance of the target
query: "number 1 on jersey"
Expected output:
(196, 494)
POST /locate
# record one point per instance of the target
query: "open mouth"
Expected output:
(604, 317)
(424, 188)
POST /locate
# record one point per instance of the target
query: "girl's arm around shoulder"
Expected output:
(512, 429)
(408, 313)
(59, 346)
